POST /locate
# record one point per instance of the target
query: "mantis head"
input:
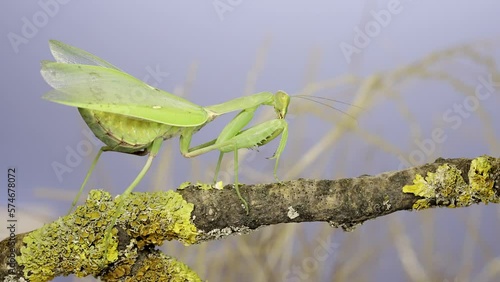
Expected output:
(281, 102)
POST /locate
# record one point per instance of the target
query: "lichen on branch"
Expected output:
(75, 244)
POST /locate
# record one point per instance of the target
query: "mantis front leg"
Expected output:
(232, 138)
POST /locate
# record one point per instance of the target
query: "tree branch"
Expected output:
(75, 244)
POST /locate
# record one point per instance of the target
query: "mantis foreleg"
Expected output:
(233, 138)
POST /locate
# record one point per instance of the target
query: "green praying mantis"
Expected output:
(130, 116)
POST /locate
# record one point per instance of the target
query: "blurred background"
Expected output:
(408, 69)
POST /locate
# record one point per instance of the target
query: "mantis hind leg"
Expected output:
(91, 169)
(153, 151)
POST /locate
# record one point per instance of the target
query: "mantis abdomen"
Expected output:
(126, 134)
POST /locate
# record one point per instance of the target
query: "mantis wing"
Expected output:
(64, 53)
(111, 90)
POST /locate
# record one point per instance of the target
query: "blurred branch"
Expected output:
(74, 244)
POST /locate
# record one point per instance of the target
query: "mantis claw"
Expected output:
(245, 203)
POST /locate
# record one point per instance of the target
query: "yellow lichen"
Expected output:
(204, 186)
(441, 187)
(159, 267)
(184, 185)
(219, 185)
(159, 216)
(421, 204)
(75, 244)
(480, 181)
(69, 245)
(446, 186)
(420, 187)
